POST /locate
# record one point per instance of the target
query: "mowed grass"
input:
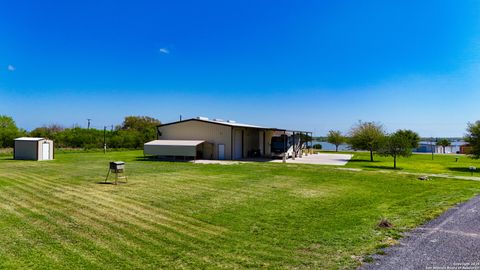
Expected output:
(421, 163)
(56, 214)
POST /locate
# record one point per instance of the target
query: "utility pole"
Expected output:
(180, 117)
(104, 139)
(88, 125)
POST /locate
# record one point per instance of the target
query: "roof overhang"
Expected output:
(32, 139)
(187, 148)
(175, 142)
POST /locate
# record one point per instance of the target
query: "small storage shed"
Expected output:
(179, 148)
(30, 148)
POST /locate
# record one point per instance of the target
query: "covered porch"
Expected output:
(269, 143)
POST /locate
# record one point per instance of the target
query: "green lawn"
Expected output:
(55, 214)
(421, 163)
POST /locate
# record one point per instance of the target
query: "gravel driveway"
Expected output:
(451, 241)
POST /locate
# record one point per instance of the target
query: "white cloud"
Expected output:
(164, 50)
(11, 68)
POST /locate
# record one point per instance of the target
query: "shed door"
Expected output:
(45, 151)
(221, 151)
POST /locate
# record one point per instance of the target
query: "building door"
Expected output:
(221, 151)
(45, 151)
(238, 149)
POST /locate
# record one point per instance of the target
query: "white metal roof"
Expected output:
(175, 142)
(35, 139)
(229, 123)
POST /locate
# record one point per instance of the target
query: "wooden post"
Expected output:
(306, 144)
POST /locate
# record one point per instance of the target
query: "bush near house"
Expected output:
(131, 134)
(9, 131)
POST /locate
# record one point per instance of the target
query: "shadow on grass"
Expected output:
(383, 167)
(165, 159)
(363, 160)
(105, 183)
(111, 183)
(189, 159)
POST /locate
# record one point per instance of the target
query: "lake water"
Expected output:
(326, 146)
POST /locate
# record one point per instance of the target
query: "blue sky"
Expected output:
(310, 65)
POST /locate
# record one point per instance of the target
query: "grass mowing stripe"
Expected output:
(99, 201)
(123, 251)
(259, 253)
(179, 218)
(82, 238)
(265, 254)
(175, 243)
(212, 243)
(18, 243)
(36, 224)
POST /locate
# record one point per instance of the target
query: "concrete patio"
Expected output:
(318, 159)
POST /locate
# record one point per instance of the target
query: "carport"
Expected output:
(179, 148)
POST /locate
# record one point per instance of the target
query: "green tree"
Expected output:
(444, 143)
(473, 138)
(410, 135)
(139, 123)
(9, 131)
(142, 129)
(47, 131)
(367, 136)
(336, 138)
(78, 137)
(396, 145)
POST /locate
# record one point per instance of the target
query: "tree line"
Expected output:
(372, 137)
(132, 133)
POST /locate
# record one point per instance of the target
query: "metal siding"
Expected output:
(52, 157)
(26, 150)
(171, 150)
(197, 130)
(40, 150)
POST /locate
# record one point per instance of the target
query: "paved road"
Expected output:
(451, 241)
